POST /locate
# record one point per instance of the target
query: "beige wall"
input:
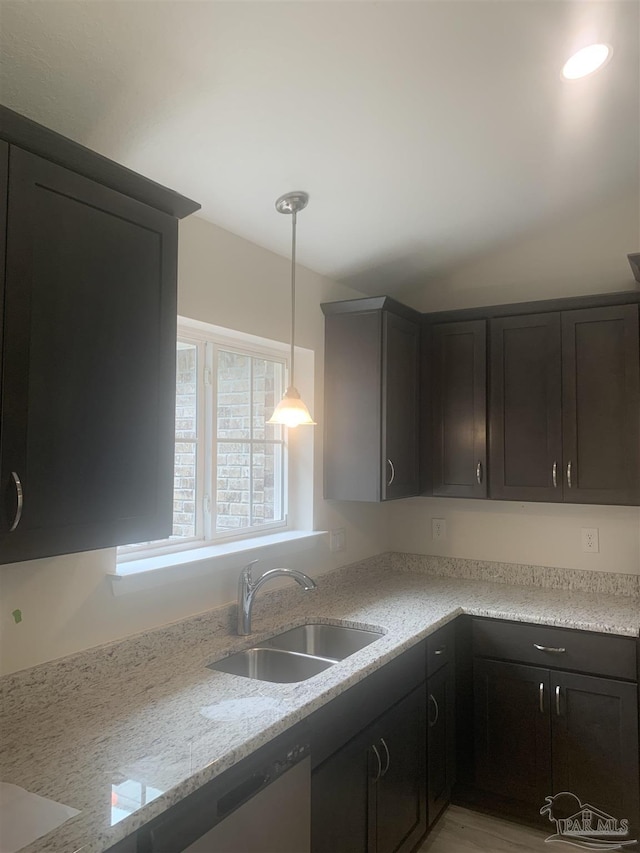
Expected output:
(67, 602)
(512, 532)
(583, 252)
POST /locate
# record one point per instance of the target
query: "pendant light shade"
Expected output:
(291, 411)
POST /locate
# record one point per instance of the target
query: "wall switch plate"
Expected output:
(338, 540)
(590, 540)
(438, 528)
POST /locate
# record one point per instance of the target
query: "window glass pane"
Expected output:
(184, 489)
(234, 395)
(184, 475)
(268, 379)
(186, 389)
(234, 486)
(267, 483)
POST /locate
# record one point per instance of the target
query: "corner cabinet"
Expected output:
(88, 349)
(458, 376)
(564, 406)
(371, 407)
(554, 710)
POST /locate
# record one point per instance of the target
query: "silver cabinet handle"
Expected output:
(377, 754)
(569, 474)
(541, 697)
(440, 651)
(433, 699)
(386, 749)
(558, 699)
(554, 475)
(393, 472)
(558, 651)
(479, 473)
(19, 501)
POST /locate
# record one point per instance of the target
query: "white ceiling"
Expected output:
(423, 131)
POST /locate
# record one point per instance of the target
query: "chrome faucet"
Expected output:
(247, 588)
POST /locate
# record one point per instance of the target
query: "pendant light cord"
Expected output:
(293, 295)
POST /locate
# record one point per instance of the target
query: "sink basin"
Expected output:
(268, 664)
(332, 642)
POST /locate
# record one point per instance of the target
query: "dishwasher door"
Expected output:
(276, 820)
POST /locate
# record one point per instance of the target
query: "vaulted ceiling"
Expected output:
(423, 131)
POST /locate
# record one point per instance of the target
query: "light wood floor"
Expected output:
(463, 831)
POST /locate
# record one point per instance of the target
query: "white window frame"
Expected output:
(209, 340)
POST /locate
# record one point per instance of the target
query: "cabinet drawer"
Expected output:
(348, 714)
(441, 648)
(565, 648)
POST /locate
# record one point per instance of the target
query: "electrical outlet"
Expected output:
(590, 540)
(438, 528)
(338, 540)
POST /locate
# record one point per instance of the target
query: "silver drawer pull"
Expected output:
(569, 474)
(554, 475)
(393, 472)
(386, 749)
(541, 697)
(433, 699)
(559, 651)
(377, 754)
(19, 501)
(479, 473)
(558, 699)
(440, 651)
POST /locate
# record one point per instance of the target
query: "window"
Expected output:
(230, 465)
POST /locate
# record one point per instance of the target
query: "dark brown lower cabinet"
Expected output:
(539, 733)
(595, 743)
(512, 731)
(440, 740)
(371, 794)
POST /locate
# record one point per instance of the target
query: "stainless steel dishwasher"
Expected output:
(264, 808)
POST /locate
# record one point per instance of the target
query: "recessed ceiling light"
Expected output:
(586, 61)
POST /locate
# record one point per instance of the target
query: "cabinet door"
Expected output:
(595, 743)
(458, 386)
(88, 391)
(400, 402)
(4, 186)
(353, 373)
(440, 740)
(601, 417)
(340, 812)
(512, 731)
(399, 794)
(525, 403)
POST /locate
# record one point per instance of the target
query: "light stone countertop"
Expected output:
(147, 709)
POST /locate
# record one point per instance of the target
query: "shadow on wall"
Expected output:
(585, 251)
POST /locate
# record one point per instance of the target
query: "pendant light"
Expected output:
(291, 411)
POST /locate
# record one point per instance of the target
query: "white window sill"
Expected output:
(135, 575)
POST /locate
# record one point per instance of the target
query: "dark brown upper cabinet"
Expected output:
(601, 405)
(371, 400)
(458, 385)
(564, 413)
(88, 351)
(525, 408)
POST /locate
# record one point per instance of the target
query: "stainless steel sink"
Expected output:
(268, 664)
(333, 642)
